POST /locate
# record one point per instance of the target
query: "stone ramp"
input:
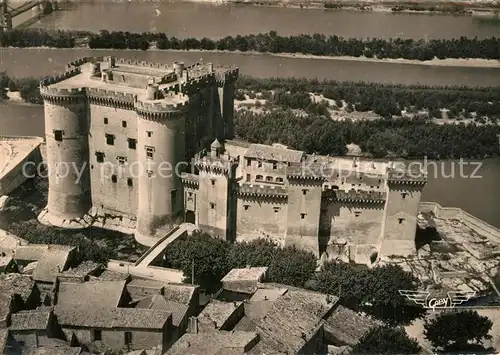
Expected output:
(159, 247)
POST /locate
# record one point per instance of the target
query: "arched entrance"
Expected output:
(190, 217)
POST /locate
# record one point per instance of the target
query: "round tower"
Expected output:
(66, 132)
(160, 149)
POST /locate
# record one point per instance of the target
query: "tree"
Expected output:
(455, 330)
(259, 252)
(206, 255)
(291, 266)
(386, 340)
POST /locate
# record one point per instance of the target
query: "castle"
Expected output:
(103, 115)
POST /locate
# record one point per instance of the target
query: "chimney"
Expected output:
(210, 67)
(105, 76)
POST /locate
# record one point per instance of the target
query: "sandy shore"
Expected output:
(451, 62)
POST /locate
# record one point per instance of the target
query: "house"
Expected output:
(25, 254)
(34, 328)
(219, 315)
(9, 242)
(109, 275)
(214, 343)
(185, 294)
(54, 260)
(92, 294)
(178, 310)
(117, 328)
(240, 284)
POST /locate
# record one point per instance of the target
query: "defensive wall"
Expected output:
(15, 152)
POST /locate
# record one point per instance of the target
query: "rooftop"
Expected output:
(13, 150)
(18, 284)
(270, 153)
(213, 343)
(109, 275)
(146, 284)
(218, 312)
(30, 320)
(179, 292)
(9, 242)
(5, 261)
(244, 280)
(53, 350)
(92, 294)
(53, 261)
(159, 303)
(131, 318)
(82, 270)
(347, 326)
(30, 252)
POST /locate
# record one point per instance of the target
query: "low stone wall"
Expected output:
(478, 225)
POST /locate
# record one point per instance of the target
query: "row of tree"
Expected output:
(395, 137)
(383, 99)
(316, 44)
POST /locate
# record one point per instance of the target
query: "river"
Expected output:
(477, 192)
(190, 19)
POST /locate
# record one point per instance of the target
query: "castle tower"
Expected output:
(66, 132)
(160, 151)
(404, 190)
(225, 84)
(304, 209)
(215, 200)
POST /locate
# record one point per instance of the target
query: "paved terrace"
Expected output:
(13, 150)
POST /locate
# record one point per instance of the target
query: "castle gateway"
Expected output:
(140, 147)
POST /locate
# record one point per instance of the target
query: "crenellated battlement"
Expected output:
(171, 106)
(58, 78)
(111, 98)
(190, 180)
(261, 191)
(353, 196)
(82, 61)
(141, 63)
(406, 177)
(228, 76)
(221, 165)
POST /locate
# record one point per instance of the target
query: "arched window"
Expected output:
(269, 178)
(279, 179)
(259, 177)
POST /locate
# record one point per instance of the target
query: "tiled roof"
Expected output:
(109, 275)
(269, 153)
(31, 252)
(159, 303)
(218, 312)
(5, 306)
(293, 318)
(92, 294)
(245, 325)
(59, 350)
(181, 293)
(52, 262)
(18, 284)
(131, 318)
(4, 336)
(347, 326)
(212, 343)
(84, 269)
(9, 242)
(249, 273)
(146, 284)
(30, 320)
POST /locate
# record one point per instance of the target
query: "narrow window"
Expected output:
(124, 124)
(276, 209)
(259, 177)
(113, 178)
(259, 164)
(99, 157)
(302, 215)
(246, 207)
(130, 182)
(401, 220)
(150, 173)
(150, 133)
(249, 162)
(110, 139)
(128, 338)
(248, 177)
(132, 143)
(357, 213)
(213, 182)
(278, 179)
(212, 205)
(304, 192)
(58, 135)
(97, 335)
(190, 194)
(121, 160)
(105, 120)
(269, 178)
(149, 152)
(403, 194)
(275, 165)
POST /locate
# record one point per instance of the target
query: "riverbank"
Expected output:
(449, 62)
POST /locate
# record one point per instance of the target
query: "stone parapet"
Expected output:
(162, 109)
(228, 76)
(353, 196)
(141, 63)
(264, 191)
(60, 94)
(110, 98)
(190, 180)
